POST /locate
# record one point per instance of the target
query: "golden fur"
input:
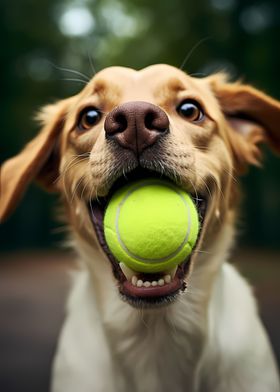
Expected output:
(204, 158)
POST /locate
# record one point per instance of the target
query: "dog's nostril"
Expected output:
(121, 122)
(157, 121)
(149, 119)
(115, 123)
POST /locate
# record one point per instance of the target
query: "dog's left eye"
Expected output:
(88, 118)
(191, 110)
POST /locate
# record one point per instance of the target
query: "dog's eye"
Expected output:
(88, 118)
(190, 110)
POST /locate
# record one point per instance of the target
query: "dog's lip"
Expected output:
(97, 209)
(144, 292)
(171, 288)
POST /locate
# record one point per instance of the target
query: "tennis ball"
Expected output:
(151, 225)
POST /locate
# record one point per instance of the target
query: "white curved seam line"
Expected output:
(147, 260)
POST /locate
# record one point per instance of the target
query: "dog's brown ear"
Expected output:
(38, 160)
(253, 118)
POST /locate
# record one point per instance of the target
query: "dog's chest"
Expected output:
(156, 355)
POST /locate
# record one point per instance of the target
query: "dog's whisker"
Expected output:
(188, 56)
(97, 196)
(124, 173)
(73, 162)
(61, 229)
(91, 192)
(219, 190)
(194, 188)
(63, 69)
(82, 193)
(161, 167)
(90, 59)
(63, 175)
(76, 188)
(231, 175)
(175, 175)
(75, 80)
(85, 154)
(196, 174)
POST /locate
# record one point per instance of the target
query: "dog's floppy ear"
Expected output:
(38, 160)
(253, 118)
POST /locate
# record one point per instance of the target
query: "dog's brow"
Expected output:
(170, 88)
(99, 87)
(102, 88)
(175, 85)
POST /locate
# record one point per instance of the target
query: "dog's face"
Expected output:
(125, 125)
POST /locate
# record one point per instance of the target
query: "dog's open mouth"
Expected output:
(137, 287)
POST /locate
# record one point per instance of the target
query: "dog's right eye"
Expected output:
(191, 110)
(88, 118)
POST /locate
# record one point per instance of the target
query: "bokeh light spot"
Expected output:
(223, 5)
(256, 18)
(76, 21)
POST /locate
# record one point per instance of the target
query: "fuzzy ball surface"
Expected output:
(151, 225)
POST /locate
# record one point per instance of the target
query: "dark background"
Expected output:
(39, 39)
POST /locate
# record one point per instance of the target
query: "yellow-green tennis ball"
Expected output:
(151, 225)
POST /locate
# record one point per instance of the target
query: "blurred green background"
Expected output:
(40, 37)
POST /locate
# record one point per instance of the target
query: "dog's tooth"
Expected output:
(154, 283)
(147, 283)
(139, 283)
(134, 280)
(160, 282)
(172, 272)
(127, 271)
(167, 278)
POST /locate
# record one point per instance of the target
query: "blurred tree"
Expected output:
(240, 37)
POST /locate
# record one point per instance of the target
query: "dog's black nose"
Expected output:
(136, 125)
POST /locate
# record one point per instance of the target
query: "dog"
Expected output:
(204, 334)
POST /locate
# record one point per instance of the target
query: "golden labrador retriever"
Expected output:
(200, 134)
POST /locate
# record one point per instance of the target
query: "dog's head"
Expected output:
(126, 124)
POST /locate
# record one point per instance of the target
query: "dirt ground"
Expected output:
(33, 289)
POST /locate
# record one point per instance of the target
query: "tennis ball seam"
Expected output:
(152, 260)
